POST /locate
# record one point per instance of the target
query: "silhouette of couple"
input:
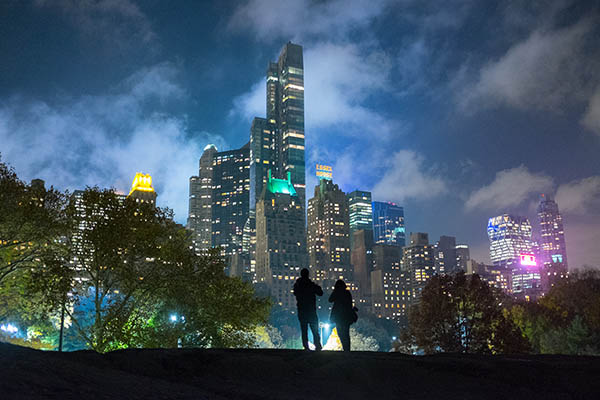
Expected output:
(342, 313)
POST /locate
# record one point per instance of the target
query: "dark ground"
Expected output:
(290, 374)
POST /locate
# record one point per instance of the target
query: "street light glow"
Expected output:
(173, 317)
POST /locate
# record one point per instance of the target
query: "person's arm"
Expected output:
(318, 290)
(332, 297)
(296, 289)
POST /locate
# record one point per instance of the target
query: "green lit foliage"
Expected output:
(136, 268)
(566, 320)
(360, 342)
(461, 314)
(268, 337)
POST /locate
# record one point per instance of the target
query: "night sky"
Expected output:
(456, 110)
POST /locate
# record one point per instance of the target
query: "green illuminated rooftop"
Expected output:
(281, 185)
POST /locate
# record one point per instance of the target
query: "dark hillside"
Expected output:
(290, 374)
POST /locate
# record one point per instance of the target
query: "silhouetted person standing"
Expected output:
(305, 291)
(342, 312)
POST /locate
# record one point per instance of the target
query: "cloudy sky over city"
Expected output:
(456, 110)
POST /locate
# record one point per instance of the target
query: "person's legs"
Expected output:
(314, 327)
(344, 334)
(304, 331)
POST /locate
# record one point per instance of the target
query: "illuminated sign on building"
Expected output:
(324, 172)
(142, 183)
(557, 258)
(528, 260)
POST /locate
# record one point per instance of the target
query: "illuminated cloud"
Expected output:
(580, 197)
(544, 71)
(105, 140)
(509, 189)
(591, 118)
(408, 176)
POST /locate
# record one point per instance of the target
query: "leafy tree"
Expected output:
(566, 320)
(132, 268)
(360, 342)
(460, 314)
(32, 218)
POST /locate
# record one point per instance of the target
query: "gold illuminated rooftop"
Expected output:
(141, 183)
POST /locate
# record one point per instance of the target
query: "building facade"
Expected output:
(552, 246)
(419, 262)
(360, 211)
(280, 240)
(388, 224)
(219, 200)
(328, 238)
(511, 248)
(200, 201)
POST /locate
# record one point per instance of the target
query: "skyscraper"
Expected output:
(230, 198)
(142, 190)
(511, 247)
(388, 224)
(219, 199)
(277, 142)
(463, 255)
(419, 261)
(391, 291)
(553, 249)
(328, 233)
(445, 255)
(200, 201)
(285, 105)
(361, 211)
(280, 240)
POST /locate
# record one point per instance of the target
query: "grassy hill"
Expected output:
(290, 374)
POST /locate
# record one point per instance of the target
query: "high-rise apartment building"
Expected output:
(388, 224)
(361, 211)
(419, 261)
(463, 255)
(328, 229)
(511, 247)
(552, 246)
(445, 255)
(219, 199)
(230, 198)
(277, 141)
(280, 240)
(391, 289)
(200, 201)
(361, 259)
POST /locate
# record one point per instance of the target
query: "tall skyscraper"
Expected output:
(511, 247)
(419, 261)
(463, 255)
(328, 233)
(280, 240)
(219, 199)
(388, 224)
(230, 198)
(445, 255)
(361, 211)
(277, 141)
(200, 200)
(361, 259)
(142, 189)
(553, 248)
(391, 291)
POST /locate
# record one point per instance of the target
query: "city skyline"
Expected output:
(454, 145)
